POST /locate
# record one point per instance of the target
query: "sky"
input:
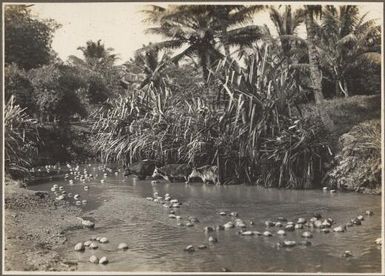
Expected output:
(119, 25)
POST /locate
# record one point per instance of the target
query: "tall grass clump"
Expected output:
(20, 137)
(245, 121)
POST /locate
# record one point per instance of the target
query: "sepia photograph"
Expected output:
(192, 137)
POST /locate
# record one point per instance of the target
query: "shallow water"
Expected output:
(156, 242)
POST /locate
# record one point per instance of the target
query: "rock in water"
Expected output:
(307, 234)
(301, 221)
(278, 224)
(267, 234)
(247, 233)
(289, 243)
(213, 239)
(339, 229)
(79, 247)
(93, 246)
(347, 254)
(87, 243)
(103, 240)
(123, 246)
(189, 248)
(103, 260)
(228, 225)
(94, 259)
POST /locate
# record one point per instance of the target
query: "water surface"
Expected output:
(156, 242)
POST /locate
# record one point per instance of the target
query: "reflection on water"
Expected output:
(156, 242)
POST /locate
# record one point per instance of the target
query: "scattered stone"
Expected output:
(267, 234)
(290, 223)
(289, 227)
(360, 217)
(282, 219)
(251, 222)
(326, 223)
(257, 233)
(369, 213)
(349, 224)
(222, 213)
(339, 229)
(247, 233)
(269, 223)
(356, 221)
(307, 234)
(172, 216)
(318, 224)
(325, 188)
(172, 212)
(347, 254)
(79, 247)
(103, 260)
(84, 201)
(240, 223)
(98, 238)
(325, 230)
(123, 246)
(278, 224)
(93, 259)
(228, 225)
(224, 269)
(213, 239)
(87, 243)
(333, 191)
(289, 243)
(103, 240)
(93, 238)
(189, 248)
(379, 241)
(281, 232)
(301, 221)
(313, 219)
(189, 224)
(317, 215)
(298, 226)
(202, 246)
(149, 198)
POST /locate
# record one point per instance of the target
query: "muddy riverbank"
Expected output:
(35, 229)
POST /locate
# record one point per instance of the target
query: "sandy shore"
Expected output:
(35, 227)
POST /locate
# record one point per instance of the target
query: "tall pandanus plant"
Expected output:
(280, 148)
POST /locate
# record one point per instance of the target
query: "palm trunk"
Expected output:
(315, 72)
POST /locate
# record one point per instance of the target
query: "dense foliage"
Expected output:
(217, 90)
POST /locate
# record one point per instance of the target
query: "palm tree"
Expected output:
(200, 30)
(315, 71)
(347, 42)
(286, 24)
(150, 64)
(95, 56)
